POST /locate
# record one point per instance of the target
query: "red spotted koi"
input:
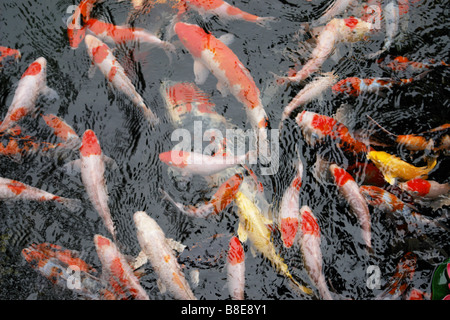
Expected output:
(236, 269)
(349, 189)
(32, 84)
(61, 129)
(8, 53)
(309, 242)
(15, 190)
(425, 189)
(153, 243)
(116, 269)
(219, 201)
(103, 58)
(76, 29)
(402, 63)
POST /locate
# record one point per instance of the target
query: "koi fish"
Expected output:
(15, 190)
(218, 202)
(402, 277)
(198, 163)
(76, 30)
(103, 58)
(425, 189)
(92, 166)
(309, 241)
(317, 128)
(154, 244)
(402, 63)
(394, 168)
(336, 31)
(309, 92)
(117, 270)
(32, 84)
(333, 10)
(62, 130)
(290, 204)
(236, 269)
(6, 54)
(254, 226)
(111, 33)
(213, 55)
(349, 189)
(59, 265)
(19, 147)
(225, 11)
(355, 86)
(366, 173)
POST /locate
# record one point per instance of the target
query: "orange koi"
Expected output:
(236, 269)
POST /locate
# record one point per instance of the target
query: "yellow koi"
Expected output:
(254, 226)
(394, 168)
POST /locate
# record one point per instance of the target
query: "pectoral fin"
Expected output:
(201, 72)
(242, 233)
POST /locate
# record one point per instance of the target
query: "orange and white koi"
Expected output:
(59, 265)
(402, 63)
(92, 166)
(425, 189)
(153, 243)
(337, 30)
(6, 54)
(349, 189)
(103, 58)
(309, 242)
(225, 11)
(62, 130)
(236, 269)
(116, 269)
(309, 92)
(198, 163)
(355, 86)
(317, 128)
(76, 30)
(290, 204)
(395, 169)
(213, 55)
(32, 84)
(218, 202)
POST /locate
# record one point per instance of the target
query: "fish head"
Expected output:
(340, 175)
(8, 55)
(315, 126)
(288, 227)
(144, 222)
(35, 257)
(372, 194)
(417, 186)
(90, 145)
(379, 158)
(39, 66)
(174, 158)
(349, 86)
(236, 253)
(308, 223)
(192, 37)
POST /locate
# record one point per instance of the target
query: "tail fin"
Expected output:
(266, 21)
(74, 205)
(149, 115)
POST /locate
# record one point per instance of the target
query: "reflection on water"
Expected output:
(88, 101)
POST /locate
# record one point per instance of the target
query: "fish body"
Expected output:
(394, 168)
(333, 10)
(402, 63)
(93, 177)
(154, 244)
(350, 191)
(254, 226)
(236, 269)
(218, 202)
(76, 29)
(290, 204)
(317, 128)
(8, 54)
(116, 269)
(309, 240)
(198, 163)
(103, 58)
(210, 54)
(61, 129)
(31, 85)
(336, 31)
(15, 190)
(225, 11)
(425, 189)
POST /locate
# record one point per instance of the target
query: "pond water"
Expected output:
(39, 29)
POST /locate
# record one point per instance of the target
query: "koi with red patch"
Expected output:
(61, 129)
(15, 190)
(76, 29)
(402, 63)
(225, 11)
(316, 128)
(32, 84)
(117, 270)
(309, 242)
(213, 55)
(425, 189)
(349, 189)
(236, 269)
(337, 30)
(153, 243)
(6, 54)
(103, 58)
(219, 201)
(366, 173)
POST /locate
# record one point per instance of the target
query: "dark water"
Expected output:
(38, 29)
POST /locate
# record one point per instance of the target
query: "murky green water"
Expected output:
(38, 28)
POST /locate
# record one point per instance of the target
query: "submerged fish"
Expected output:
(62, 130)
(395, 169)
(103, 58)
(236, 269)
(402, 63)
(425, 189)
(8, 53)
(160, 255)
(32, 84)
(334, 9)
